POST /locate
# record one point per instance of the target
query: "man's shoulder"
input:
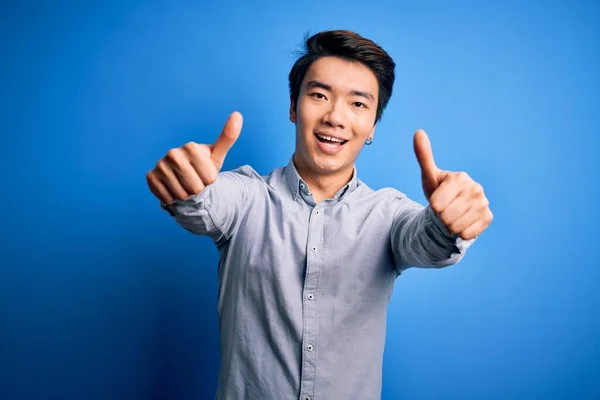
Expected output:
(385, 193)
(243, 170)
(254, 180)
(248, 171)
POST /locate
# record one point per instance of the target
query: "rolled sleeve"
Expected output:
(218, 209)
(420, 239)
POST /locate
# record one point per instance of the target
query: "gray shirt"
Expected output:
(304, 287)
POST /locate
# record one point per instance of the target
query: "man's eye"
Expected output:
(359, 104)
(318, 95)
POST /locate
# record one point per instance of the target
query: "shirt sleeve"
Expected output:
(420, 239)
(218, 209)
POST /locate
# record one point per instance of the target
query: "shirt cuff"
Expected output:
(459, 242)
(167, 208)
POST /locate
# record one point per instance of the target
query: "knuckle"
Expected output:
(173, 155)
(478, 188)
(197, 152)
(161, 166)
(196, 185)
(151, 179)
(196, 188)
(149, 176)
(434, 203)
(190, 147)
(453, 228)
(182, 196)
(445, 218)
(463, 176)
(486, 202)
(212, 176)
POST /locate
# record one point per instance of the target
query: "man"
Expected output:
(309, 253)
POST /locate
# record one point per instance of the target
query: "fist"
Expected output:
(187, 170)
(459, 201)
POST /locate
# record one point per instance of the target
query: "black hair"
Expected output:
(350, 46)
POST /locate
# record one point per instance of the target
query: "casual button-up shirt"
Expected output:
(304, 287)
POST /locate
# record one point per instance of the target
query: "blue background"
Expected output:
(103, 296)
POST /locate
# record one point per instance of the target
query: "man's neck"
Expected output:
(323, 186)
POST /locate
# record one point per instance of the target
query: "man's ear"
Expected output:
(292, 110)
(372, 133)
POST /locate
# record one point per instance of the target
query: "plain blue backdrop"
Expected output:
(103, 296)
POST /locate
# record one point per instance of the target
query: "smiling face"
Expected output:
(335, 115)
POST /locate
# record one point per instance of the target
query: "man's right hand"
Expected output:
(187, 170)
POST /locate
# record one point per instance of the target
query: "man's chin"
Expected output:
(327, 165)
(323, 164)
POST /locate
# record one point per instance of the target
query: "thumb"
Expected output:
(429, 171)
(229, 135)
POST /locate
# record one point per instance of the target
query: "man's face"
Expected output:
(337, 101)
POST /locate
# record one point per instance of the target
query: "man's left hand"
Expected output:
(455, 197)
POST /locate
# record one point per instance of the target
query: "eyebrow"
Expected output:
(324, 86)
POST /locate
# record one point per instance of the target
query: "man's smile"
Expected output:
(330, 144)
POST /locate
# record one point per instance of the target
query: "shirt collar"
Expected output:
(298, 185)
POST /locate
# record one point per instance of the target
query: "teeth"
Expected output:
(329, 138)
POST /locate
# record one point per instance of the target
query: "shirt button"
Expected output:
(318, 212)
(310, 296)
(307, 398)
(314, 248)
(302, 186)
(309, 347)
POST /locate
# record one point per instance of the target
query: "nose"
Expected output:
(334, 116)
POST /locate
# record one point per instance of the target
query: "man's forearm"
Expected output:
(421, 239)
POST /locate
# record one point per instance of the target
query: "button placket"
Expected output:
(314, 261)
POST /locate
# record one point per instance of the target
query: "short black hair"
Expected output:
(350, 46)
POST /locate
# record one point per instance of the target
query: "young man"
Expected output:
(309, 253)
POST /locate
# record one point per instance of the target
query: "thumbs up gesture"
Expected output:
(458, 200)
(187, 170)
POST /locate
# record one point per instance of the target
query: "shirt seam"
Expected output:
(214, 219)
